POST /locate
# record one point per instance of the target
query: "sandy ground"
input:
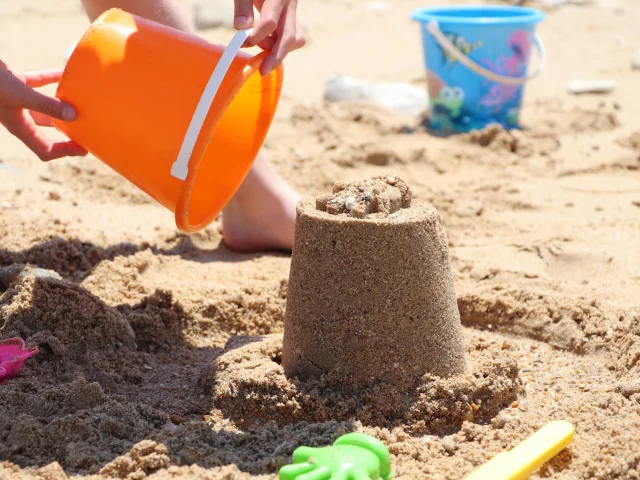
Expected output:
(133, 378)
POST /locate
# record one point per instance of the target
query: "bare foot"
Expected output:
(262, 213)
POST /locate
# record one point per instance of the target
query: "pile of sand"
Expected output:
(376, 197)
(249, 385)
(73, 329)
(132, 379)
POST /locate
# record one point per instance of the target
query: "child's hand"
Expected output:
(22, 109)
(278, 28)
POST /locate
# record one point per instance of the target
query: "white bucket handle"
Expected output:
(180, 168)
(444, 42)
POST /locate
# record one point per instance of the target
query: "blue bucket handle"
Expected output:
(434, 29)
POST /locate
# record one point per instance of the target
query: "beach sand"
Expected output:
(159, 352)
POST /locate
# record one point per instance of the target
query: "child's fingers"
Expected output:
(300, 41)
(269, 42)
(243, 14)
(285, 42)
(40, 79)
(269, 19)
(16, 94)
(64, 149)
(301, 36)
(42, 146)
(48, 106)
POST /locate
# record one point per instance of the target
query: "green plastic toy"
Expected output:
(354, 456)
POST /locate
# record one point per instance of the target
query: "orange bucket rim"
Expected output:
(182, 206)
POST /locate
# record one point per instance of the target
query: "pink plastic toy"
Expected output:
(13, 353)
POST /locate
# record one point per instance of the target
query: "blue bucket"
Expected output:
(477, 58)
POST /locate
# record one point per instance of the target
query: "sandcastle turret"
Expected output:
(371, 294)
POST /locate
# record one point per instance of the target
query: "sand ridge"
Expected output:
(248, 384)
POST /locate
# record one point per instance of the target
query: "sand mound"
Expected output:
(144, 458)
(73, 259)
(523, 144)
(74, 423)
(210, 310)
(579, 325)
(118, 281)
(625, 344)
(249, 385)
(157, 321)
(74, 330)
(372, 154)
(631, 141)
(556, 117)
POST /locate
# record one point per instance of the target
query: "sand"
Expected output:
(249, 385)
(371, 297)
(371, 198)
(543, 229)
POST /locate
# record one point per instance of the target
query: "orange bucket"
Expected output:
(177, 116)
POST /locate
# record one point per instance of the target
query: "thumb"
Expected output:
(19, 95)
(243, 14)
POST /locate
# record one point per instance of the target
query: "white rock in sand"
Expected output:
(635, 61)
(342, 88)
(591, 86)
(552, 3)
(213, 13)
(401, 98)
(396, 97)
(379, 7)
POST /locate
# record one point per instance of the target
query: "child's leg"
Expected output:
(262, 214)
(167, 12)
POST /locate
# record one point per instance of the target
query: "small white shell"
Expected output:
(350, 203)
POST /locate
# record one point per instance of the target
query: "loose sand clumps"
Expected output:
(249, 385)
(371, 295)
(72, 327)
(376, 197)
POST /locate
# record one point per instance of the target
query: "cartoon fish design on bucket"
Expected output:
(461, 44)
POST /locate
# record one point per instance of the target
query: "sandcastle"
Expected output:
(371, 294)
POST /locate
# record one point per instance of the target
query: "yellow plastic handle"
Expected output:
(521, 461)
